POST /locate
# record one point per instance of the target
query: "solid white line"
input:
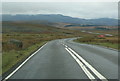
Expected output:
(100, 76)
(90, 76)
(23, 63)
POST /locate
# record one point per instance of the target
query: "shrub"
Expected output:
(18, 43)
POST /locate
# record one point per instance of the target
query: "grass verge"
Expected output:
(13, 57)
(98, 42)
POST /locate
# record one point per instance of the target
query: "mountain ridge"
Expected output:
(60, 18)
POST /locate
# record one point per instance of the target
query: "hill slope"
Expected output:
(60, 18)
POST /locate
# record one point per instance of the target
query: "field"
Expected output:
(107, 41)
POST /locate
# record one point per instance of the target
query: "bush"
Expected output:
(12, 44)
(17, 43)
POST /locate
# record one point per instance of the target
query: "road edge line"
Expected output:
(13, 72)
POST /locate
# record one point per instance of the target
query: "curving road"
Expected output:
(65, 59)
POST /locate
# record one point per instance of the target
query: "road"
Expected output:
(65, 59)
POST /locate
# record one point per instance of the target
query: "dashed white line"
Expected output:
(66, 46)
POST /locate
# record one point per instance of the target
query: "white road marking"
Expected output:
(90, 76)
(100, 76)
(66, 46)
(89, 66)
(23, 63)
(63, 44)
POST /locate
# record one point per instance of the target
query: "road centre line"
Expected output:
(23, 63)
(66, 46)
(100, 76)
(90, 76)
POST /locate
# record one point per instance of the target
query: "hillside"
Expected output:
(29, 27)
(60, 19)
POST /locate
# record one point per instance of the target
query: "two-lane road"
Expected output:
(65, 59)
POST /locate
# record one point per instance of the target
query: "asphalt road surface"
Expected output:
(65, 59)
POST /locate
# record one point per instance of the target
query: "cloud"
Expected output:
(74, 9)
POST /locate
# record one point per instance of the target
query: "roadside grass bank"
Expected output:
(13, 57)
(109, 42)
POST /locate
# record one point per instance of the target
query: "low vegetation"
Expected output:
(108, 41)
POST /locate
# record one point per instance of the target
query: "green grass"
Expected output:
(110, 42)
(109, 45)
(13, 57)
(106, 44)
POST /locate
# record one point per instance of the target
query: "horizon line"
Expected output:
(56, 14)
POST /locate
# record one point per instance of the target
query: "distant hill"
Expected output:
(58, 18)
(29, 27)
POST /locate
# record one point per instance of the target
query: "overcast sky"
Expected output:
(74, 9)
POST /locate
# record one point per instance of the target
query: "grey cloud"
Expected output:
(75, 9)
